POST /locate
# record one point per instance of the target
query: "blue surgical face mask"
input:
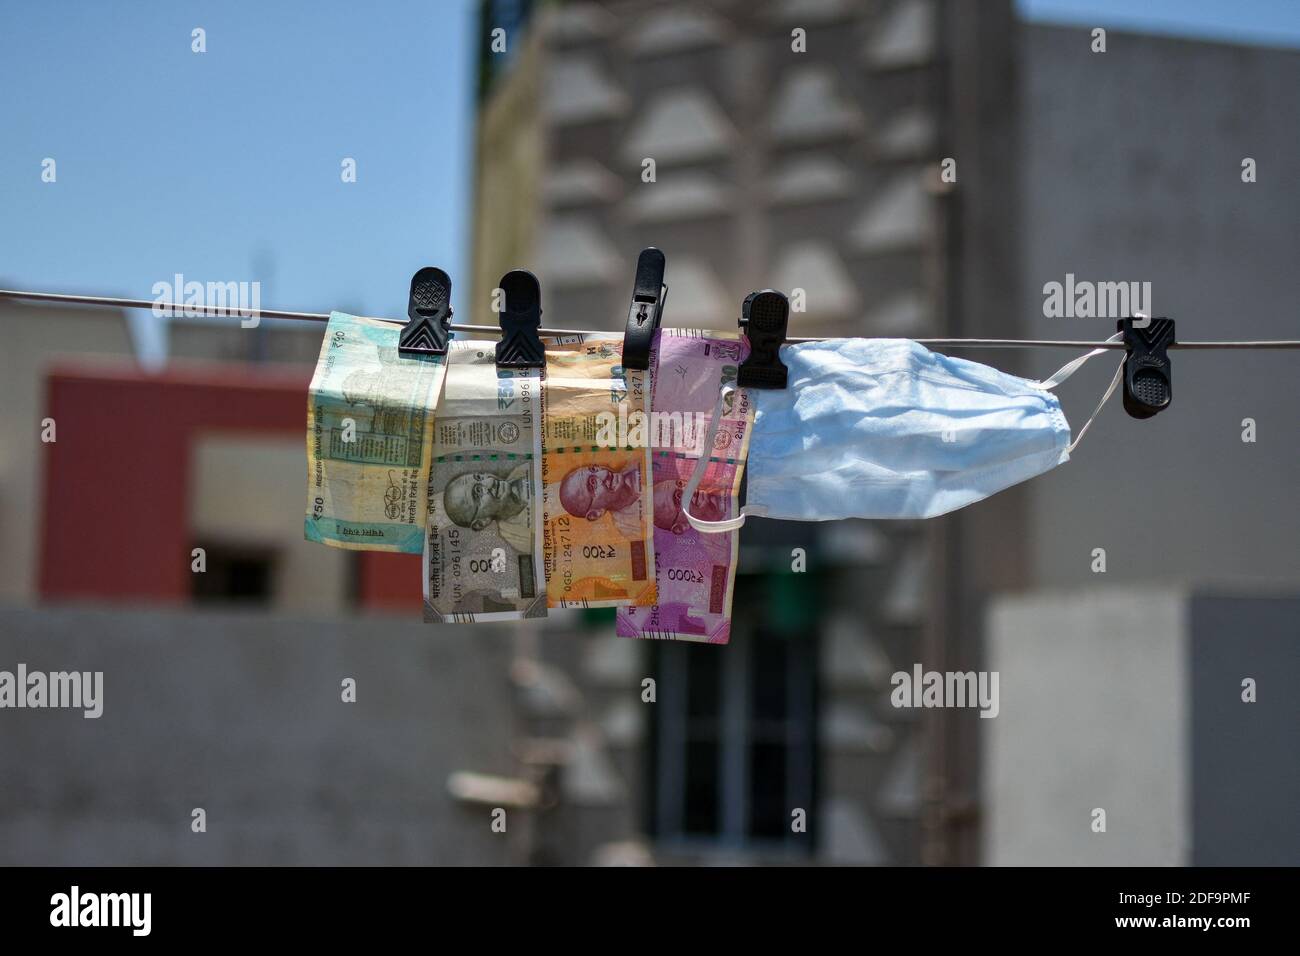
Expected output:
(885, 428)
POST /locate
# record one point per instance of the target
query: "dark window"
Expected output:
(235, 574)
(734, 739)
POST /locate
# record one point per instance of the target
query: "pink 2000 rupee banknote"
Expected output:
(695, 571)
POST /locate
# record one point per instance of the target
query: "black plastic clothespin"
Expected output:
(1148, 379)
(647, 310)
(428, 313)
(764, 318)
(521, 317)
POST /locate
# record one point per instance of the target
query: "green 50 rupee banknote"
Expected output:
(369, 438)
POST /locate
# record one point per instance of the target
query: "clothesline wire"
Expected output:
(227, 312)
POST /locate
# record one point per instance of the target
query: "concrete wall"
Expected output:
(241, 715)
(1245, 767)
(1131, 169)
(1093, 691)
(37, 335)
(1132, 701)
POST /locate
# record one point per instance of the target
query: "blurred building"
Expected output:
(1143, 726)
(35, 336)
(703, 129)
(172, 448)
(812, 171)
(793, 145)
(1132, 168)
(222, 689)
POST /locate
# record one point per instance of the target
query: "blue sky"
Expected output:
(1269, 22)
(224, 165)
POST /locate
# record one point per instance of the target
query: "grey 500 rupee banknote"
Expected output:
(483, 537)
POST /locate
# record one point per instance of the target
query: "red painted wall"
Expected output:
(385, 580)
(117, 481)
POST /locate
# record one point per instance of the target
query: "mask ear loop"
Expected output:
(699, 524)
(1065, 371)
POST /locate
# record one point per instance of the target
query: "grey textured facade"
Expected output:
(797, 146)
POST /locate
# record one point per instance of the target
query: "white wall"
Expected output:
(1094, 696)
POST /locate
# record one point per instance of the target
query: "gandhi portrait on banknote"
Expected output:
(476, 499)
(592, 491)
(705, 505)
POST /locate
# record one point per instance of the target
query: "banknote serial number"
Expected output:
(565, 554)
